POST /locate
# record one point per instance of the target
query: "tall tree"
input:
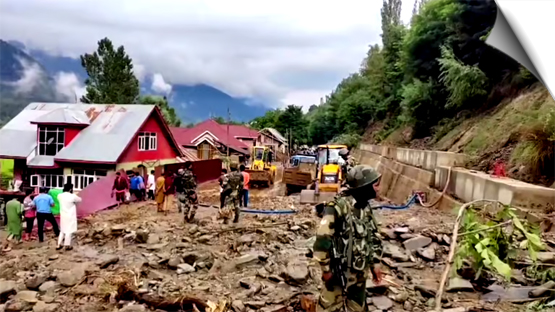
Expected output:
(167, 111)
(293, 121)
(111, 79)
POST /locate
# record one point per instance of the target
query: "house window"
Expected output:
(82, 178)
(51, 140)
(147, 141)
(47, 180)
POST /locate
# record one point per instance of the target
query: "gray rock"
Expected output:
(27, 296)
(513, 294)
(547, 257)
(190, 258)
(174, 262)
(401, 230)
(42, 306)
(459, 284)
(71, 278)
(425, 290)
(395, 252)
(389, 233)
(204, 239)
(112, 259)
(85, 290)
(297, 272)
(246, 259)
(407, 306)
(53, 257)
(133, 308)
(156, 246)
(193, 229)
(407, 236)
(18, 305)
(255, 304)
(185, 268)
(246, 239)
(382, 302)
(48, 286)
(7, 287)
(141, 236)
(428, 253)
(238, 306)
(376, 289)
(417, 242)
(295, 228)
(153, 239)
(118, 228)
(34, 282)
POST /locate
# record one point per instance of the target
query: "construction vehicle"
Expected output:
(300, 174)
(261, 170)
(329, 176)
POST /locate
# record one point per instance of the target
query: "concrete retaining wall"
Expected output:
(405, 170)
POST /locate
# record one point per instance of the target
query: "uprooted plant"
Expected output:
(492, 241)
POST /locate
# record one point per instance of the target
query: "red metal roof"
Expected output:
(185, 137)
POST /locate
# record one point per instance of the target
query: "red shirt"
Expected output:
(246, 179)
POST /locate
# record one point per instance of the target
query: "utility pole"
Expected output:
(228, 121)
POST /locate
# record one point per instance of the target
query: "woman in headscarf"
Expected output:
(160, 192)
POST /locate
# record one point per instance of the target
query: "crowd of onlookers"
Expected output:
(57, 207)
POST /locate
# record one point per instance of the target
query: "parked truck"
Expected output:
(300, 173)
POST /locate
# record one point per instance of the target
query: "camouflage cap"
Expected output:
(343, 152)
(232, 165)
(362, 175)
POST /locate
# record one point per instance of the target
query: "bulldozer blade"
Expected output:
(310, 197)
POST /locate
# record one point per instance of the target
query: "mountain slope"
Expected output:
(22, 80)
(192, 103)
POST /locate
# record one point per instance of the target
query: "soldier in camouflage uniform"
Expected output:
(348, 226)
(350, 161)
(186, 190)
(233, 186)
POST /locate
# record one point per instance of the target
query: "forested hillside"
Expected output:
(423, 81)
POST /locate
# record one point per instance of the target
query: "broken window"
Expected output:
(147, 141)
(51, 140)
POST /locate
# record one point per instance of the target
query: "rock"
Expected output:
(17, 305)
(376, 289)
(255, 304)
(461, 309)
(107, 231)
(407, 306)
(185, 268)
(395, 252)
(428, 253)
(174, 262)
(153, 239)
(190, 258)
(156, 246)
(400, 297)
(547, 257)
(34, 282)
(193, 229)
(204, 239)
(417, 242)
(71, 278)
(382, 302)
(7, 288)
(141, 236)
(48, 286)
(407, 236)
(246, 239)
(514, 294)
(245, 259)
(426, 291)
(109, 260)
(389, 233)
(118, 228)
(459, 284)
(446, 239)
(133, 308)
(295, 228)
(53, 257)
(238, 306)
(27, 296)
(42, 306)
(297, 272)
(518, 277)
(401, 230)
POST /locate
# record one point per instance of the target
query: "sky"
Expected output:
(278, 52)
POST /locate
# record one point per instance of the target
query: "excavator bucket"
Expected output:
(310, 197)
(258, 176)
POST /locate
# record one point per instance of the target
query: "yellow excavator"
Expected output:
(328, 176)
(261, 170)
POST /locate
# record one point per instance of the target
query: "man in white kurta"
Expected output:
(68, 216)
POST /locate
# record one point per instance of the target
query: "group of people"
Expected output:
(40, 207)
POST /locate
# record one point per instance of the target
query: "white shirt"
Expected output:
(68, 212)
(151, 182)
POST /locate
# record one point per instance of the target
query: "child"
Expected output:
(29, 212)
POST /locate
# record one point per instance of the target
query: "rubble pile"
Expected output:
(134, 259)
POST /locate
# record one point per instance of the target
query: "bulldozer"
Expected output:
(328, 177)
(261, 170)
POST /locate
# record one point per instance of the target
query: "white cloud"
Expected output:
(140, 71)
(246, 48)
(69, 86)
(304, 98)
(159, 85)
(30, 78)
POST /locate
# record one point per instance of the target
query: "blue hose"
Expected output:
(411, 202)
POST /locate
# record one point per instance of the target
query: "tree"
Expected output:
(293, 121)
(110, 75)
(267, 121)
(168, 112)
